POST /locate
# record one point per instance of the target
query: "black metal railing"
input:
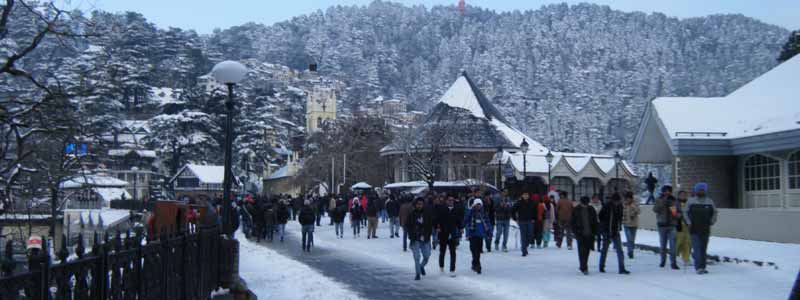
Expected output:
(182, 265)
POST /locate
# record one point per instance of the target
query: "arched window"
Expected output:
(588, 187)
(794, 170)
(762, 173)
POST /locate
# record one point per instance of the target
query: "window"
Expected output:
(762, 173)
(587, 187)
(562, 184)
(794, 170)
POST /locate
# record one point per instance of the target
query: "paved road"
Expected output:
(366, 276)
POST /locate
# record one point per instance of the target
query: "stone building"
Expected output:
(745, 145)
(200, 182)
(320, 106)
(475, 142)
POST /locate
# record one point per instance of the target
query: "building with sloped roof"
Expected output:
(477, 143)
(745, 146)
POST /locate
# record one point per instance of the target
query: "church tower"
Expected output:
(320, 106)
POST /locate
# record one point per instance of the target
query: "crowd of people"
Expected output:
(484, 219)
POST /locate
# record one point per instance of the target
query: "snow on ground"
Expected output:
(553, 273)
(273, 276)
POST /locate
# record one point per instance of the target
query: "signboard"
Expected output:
(34, 242)
(77, 149)
(508, 170)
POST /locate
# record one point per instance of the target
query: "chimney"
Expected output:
(312, 67)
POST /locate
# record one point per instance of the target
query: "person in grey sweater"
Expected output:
(666, 210)
(700, 214)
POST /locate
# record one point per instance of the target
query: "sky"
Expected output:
(206, 15)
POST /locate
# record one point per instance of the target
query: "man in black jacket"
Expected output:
(584, 226)
(306, 217)
(393, 210)
(524, 212)
(610, 226)
(420, 226)
(448, 223)
(282, 218)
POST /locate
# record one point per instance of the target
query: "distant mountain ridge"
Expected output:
(573, 77)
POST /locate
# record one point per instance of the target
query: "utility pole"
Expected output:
(344, 169)
(333, 179)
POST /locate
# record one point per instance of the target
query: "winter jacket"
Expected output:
(448, 221)
(664, 214)
(503, 212)
(611, 218)
(598, 206)
(549, 212)
(392, 208)
(524, 211)
(338, 214)
(356, 213)
(306, 216)
(476, 224)
(405, 210)
(282, 214)
(332, 204)
(269, 216)
(630, 214)
(489, 207)
(419, 225)
(564, 209)
(372, 208)
(700, 214)
(583, 216)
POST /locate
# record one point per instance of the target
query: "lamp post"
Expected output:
(229, 73)
(617, 160)
(500, 167)
(524, 148)
(549, 158)
(135, 171)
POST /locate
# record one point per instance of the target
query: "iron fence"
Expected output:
(185, 265)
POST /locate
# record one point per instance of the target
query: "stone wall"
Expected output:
(719, 172)
(748, 224)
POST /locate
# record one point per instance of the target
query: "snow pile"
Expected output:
(273, 276)
(208, 174)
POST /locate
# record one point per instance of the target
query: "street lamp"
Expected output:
(499, 167)
(524, 148)
(549, 158)
(135, 171)
(229, 73)
(617, 160)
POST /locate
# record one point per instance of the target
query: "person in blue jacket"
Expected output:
(477, 227)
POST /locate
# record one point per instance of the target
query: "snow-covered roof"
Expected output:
(92, 180)
(474, 121)
(109, 194)
(279, 173)
(581, 163)
(768, 104)
(123, 152)
(208, 174)
(164, 95)
(361, 186)
(110, 216)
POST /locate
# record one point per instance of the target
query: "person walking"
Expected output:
(651, 187)
(502, 215)
(700, 215)
(524, 213)
(682, 243)
(270, 218)
(338, 214)
(477, 226)
(610, 226)
(598, 206)
(372, 218)
(537, 223)
(630, 221)
(448, 223)
(331, 208)
(282, 217)
(356, 214)
(666, 210)
(489, 206)
(420, 226)
(548, 209)
(564, 218)
(306, 217)
(585, 225)
(393, 212)
(405, 211)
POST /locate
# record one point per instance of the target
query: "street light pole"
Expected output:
(524, 147)
(617, 160)
(228, 73)
(549, 158)
(499, 167)
(135, 171)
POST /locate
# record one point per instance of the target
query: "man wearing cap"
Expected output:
(477, 226)
(700, 214)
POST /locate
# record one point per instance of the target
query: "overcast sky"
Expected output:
(205, 15)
